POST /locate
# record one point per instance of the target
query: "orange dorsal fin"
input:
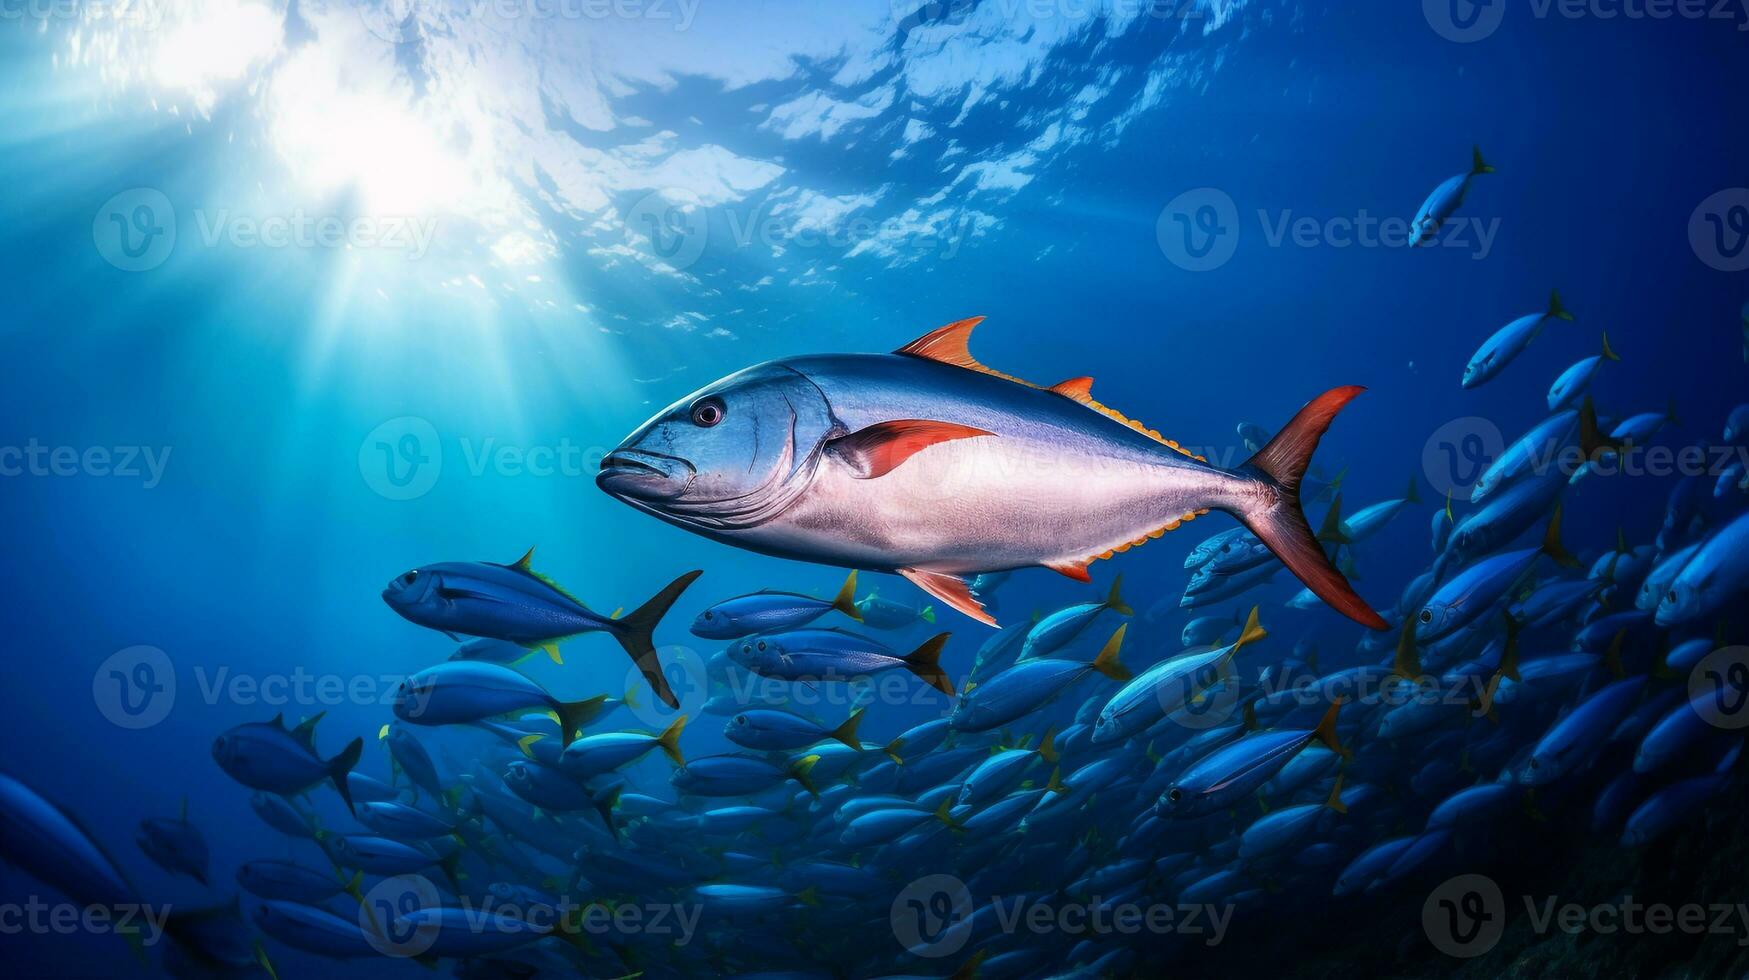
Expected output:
(1080, 389)
(952, 345)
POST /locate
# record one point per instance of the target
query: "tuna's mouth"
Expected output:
(644, 475)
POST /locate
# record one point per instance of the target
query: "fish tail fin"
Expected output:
(340, 766)
(1107, 663)
(1047, 746)
(526, 742)
(1332, 530)
(944, 813)
(1556, 309)
(925, 662)
(1609, 353)
(845, 600)
(1115, 602)
(846, 732)
(1055, 784)
(1509, 652)
(1479, 166)
(1326, 730)
(571, 715)
(1250, 633)
(800, 773)
(669, 740)
(1335, 800)
(1592, 442)
(927, 615)
(1413, 496)
(1407, 662)
(1670, 415)
(606, 803)
(636, 633)
(892, 750)
(1276, 518)
(1552, 546)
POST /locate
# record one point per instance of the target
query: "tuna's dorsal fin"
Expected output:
(951, 345)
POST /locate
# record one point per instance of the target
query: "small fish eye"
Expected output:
(410, 576)
(1672, 595)
(1175, 794)
(709, 615)
(1427, 615)
(762, 645)
(708, 412)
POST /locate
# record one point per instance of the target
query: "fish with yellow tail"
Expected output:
(926, 463)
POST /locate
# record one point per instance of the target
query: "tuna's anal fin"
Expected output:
(878, 449)
(950, 589)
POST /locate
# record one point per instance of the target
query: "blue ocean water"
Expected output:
(288, 428)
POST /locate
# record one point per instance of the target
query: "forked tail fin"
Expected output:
(1275, 515)
(636, 633)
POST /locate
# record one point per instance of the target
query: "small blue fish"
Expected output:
(268, 756)
(1235, 771)
(837, 655)
(1575, 380)
(1718, 571)
(889, 614)
(1026, 686)
(174, 844)
(1062, 627)
(516, 604)
(285, 881)
(1510, 341)
(317, 930)
(772, 612)
(1576, 738)
(1445, 200)
(740, 775)
(598, 755)
(1168, 686)
(773, 730)
(458, 692)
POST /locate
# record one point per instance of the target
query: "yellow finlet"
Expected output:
(383, 732)
(552, 650)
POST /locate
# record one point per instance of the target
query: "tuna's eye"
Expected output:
(1427, 615)
(408, 578)
(708, 412)
(1175, 794)
(762, 646)
(709, 615)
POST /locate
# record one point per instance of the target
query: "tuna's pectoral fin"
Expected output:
(878, 449)
(950, 589)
